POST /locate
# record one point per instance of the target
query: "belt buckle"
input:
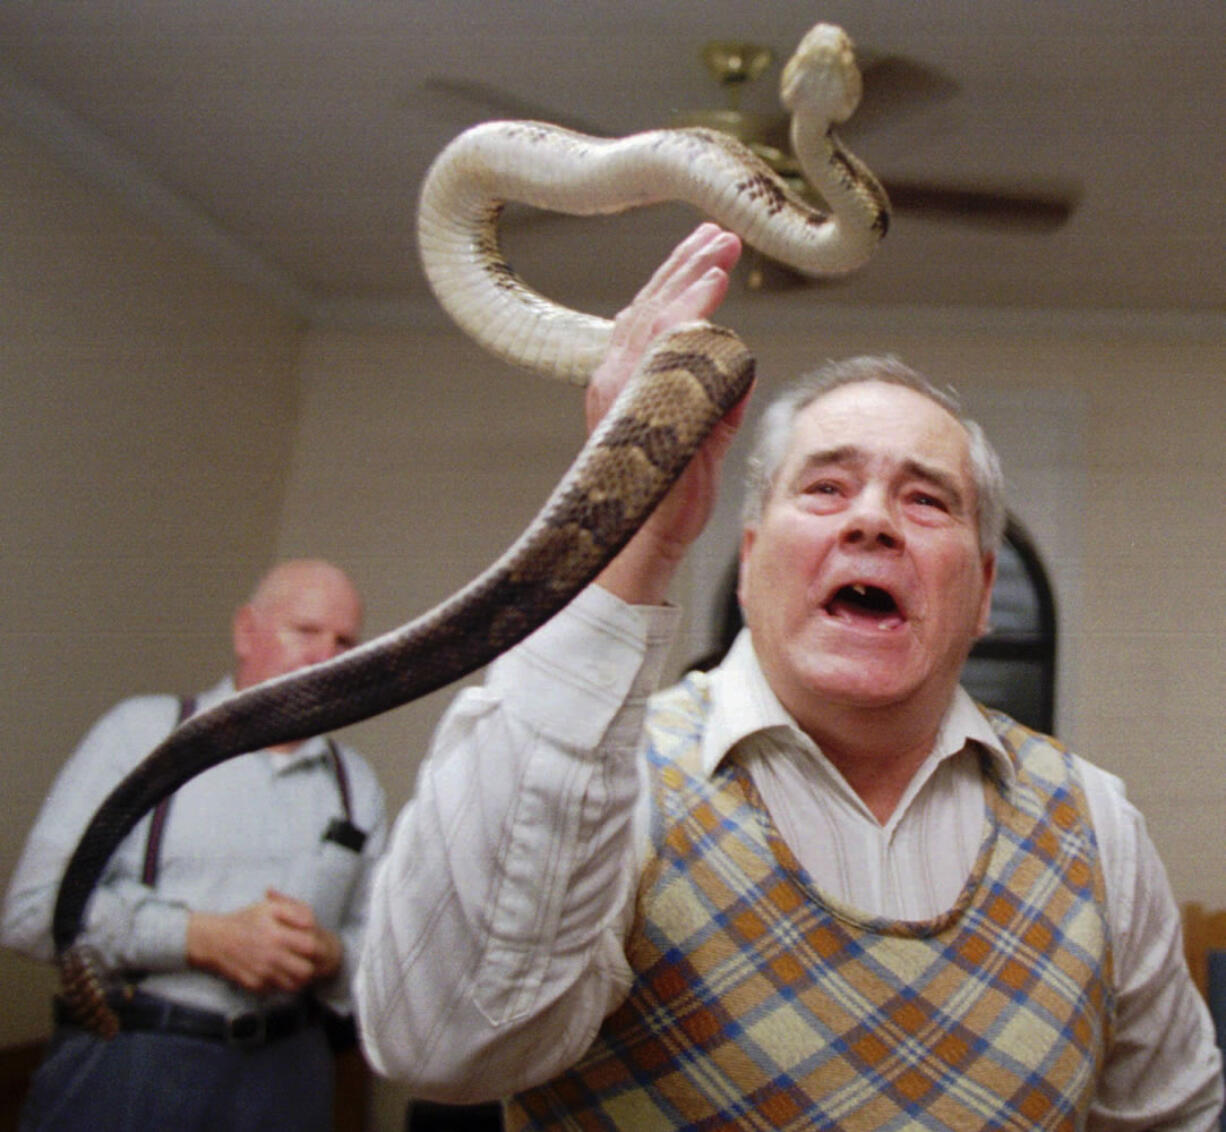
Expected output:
(246, 1031)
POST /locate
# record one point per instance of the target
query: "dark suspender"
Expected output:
(342, 778)
(153, 843)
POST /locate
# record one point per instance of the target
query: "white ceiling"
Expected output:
(288, 139)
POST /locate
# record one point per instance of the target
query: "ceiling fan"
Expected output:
(892, 85)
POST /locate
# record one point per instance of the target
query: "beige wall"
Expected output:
(147, 414)
(166, 433)
(419, 460)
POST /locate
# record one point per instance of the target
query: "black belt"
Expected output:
(147, 1012)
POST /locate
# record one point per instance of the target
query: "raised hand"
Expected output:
(689, 285)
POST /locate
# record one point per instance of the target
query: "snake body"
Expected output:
(689, 380)
(552, 168)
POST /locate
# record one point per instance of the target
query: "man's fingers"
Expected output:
(718, 251)
(672, 287)
(689, 285)
(707, 246)
(289, 911)
(292, 972)
(698, 300)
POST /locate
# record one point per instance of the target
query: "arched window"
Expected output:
(1013, 668)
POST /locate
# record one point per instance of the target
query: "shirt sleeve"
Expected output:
(1164, 1070)
(495, 942)
(125, 920)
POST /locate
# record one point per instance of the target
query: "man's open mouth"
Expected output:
(861, 603)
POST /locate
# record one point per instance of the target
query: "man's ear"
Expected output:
(985, 604)
(748, 535)
(242, 631)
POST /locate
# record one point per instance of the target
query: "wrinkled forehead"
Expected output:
(313, 597)
(883, 422)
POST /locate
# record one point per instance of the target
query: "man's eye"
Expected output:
(924, 499)
(822, 487)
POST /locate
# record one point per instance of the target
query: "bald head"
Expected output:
(302, 612)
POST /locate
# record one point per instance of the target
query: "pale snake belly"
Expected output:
(689, 380)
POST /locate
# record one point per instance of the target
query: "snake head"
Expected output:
(822, 75)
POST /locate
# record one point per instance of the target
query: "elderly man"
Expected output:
(235, 911)
(815, 888)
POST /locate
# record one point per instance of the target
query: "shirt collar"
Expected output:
(743, 704)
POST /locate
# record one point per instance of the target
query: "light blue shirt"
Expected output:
(252, 823)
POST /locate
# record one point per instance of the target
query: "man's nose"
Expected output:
(871, 523)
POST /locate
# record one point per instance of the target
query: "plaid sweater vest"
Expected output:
(760, 1004)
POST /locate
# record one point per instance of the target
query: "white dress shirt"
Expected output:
(495, 946)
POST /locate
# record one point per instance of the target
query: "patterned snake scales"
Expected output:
(689, 380)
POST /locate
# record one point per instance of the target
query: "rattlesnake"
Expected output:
(690, 379)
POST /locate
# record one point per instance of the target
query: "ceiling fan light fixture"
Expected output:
(733, 63)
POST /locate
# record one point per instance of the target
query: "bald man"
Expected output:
(235, 913)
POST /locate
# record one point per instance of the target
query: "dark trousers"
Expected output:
(150, 1082)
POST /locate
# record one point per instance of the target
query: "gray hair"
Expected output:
(774, 434)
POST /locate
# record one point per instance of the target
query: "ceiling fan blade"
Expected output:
(895, 86)
(495, 102)
(1031, 210)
